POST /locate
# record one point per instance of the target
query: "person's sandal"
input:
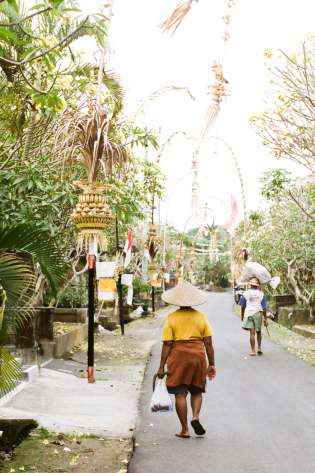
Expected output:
(259, 353)
(198, 429)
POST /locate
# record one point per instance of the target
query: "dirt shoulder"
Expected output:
(46, 452)
(118, 362)
(301, 347)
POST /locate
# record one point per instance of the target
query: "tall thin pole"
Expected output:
(121, 305)
(91, 312)
(153, 298)
(119, 288)
(152, 221)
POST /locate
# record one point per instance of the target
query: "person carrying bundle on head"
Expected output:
(253, 309)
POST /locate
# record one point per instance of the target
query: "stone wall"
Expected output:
(64, 343)
(70, 315)
(289, 316)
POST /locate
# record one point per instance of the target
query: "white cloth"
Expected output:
(126, 280)
(105, 269)
(128, 249)
(254, 299)
(146, 254)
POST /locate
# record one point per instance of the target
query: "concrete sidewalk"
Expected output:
(61, 400)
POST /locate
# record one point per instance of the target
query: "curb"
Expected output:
(31, 374)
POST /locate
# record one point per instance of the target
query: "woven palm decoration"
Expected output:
(92, 214)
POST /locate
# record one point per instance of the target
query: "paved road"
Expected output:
(259, 412)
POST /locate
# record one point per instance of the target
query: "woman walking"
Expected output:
(188, 353)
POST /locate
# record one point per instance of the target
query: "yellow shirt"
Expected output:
(186, 324)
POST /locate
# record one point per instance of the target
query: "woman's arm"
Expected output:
(210, 354)
(166, 350)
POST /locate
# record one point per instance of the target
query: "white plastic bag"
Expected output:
(161, 400)
(274, 282)
(256, 270)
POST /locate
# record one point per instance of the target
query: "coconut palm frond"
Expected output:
(171, 24)
(18, 286)
(10, 372)
(30, 246)
(16, 276)
(112, 83)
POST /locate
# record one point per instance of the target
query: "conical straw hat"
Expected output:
(184, 295)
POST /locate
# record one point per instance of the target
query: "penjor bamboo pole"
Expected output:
(91, 312)
(119, 288)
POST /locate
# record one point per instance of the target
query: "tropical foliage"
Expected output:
(53, 132)
(280, 237)
(287, 125)
(29, 259)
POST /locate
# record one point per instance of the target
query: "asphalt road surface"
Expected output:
(259, 412)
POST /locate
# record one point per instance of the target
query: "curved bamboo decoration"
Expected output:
(239, 173)
(157, 93)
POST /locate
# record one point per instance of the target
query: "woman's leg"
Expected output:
(196, 402)
(259, 336)
(252, 340)
(181, 409)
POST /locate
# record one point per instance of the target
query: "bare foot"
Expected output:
(183, 435)
(252, 353)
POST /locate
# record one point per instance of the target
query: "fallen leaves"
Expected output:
(60, 328)
(74, 460)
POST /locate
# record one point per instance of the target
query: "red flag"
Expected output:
(127, 249)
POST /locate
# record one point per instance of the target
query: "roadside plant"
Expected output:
(29, 259)
(286, 126)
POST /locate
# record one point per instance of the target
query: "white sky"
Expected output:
(147, 59)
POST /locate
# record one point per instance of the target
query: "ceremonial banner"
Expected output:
(126, 280)
(106, 289)
(105, 269)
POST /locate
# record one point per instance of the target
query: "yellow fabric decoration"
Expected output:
(106, 289)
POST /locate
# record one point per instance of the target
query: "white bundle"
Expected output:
(136, 314)
(256, 270)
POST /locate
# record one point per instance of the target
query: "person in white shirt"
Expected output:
(253, 308)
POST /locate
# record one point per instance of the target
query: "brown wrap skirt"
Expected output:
(187, 367)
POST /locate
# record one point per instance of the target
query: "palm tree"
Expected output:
(25, 255)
